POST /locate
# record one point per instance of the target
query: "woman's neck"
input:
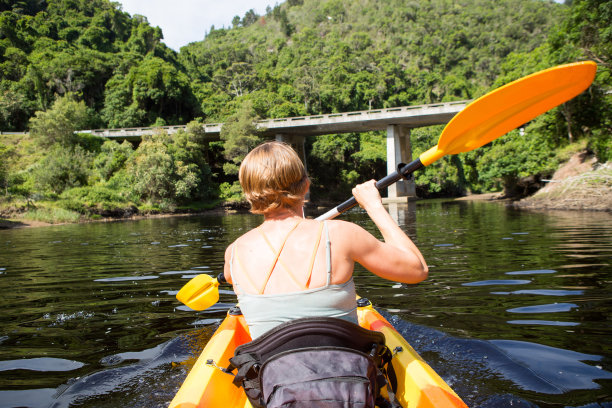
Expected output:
(284, 214)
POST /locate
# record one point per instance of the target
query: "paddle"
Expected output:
(482, 121)
(201, 292)
(493, 115)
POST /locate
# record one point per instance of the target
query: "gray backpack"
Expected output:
(315, 362)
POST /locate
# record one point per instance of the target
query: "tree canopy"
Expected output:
(67, 64)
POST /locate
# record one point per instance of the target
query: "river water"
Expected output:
(516, 311)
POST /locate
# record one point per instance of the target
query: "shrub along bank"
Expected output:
(71, 176)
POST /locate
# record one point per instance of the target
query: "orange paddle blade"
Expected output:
(509, 107)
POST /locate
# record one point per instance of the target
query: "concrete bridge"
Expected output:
(396, 121)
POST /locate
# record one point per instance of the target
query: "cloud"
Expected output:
(186, 21)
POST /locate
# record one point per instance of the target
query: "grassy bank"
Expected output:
(19, 212)
(591, 190)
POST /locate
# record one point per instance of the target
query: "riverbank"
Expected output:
(18, 220)
(580, 184)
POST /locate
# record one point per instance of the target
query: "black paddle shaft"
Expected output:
(402, 172)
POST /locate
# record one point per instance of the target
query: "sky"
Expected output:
(186, 21)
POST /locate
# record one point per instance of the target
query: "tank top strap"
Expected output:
(280, 261)
(314, 254)
(327, 253)
(277, 254)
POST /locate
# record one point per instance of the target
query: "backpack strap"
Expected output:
(247, 376)
(247, 365)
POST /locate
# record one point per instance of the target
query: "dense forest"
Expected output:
(67, 65)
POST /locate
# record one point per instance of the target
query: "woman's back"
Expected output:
(302, 263)
(280, 287)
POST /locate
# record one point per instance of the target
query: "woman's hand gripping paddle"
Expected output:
(493, 115)
(482, 121)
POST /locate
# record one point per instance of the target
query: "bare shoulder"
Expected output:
(241, 240)
(348, 234)
(345, 227)
(229, 253)
(228, 260)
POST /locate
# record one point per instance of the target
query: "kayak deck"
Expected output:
(419, 386)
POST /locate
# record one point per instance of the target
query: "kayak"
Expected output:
(207, 385)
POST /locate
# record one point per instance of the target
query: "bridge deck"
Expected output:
(359, 121)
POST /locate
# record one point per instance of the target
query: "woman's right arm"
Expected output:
(397, 258)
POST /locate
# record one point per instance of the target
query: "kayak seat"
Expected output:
(314, 361)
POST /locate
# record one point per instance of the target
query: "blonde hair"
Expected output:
(272, 176)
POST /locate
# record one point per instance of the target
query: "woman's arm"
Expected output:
(398, 258)
(226, 266)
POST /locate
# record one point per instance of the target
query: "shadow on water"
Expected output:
(475, 369)
(148, 378)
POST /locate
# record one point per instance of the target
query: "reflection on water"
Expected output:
(515, 312)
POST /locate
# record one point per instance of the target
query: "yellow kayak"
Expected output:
(419, 386)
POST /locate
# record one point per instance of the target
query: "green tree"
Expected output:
(112, 158)
(588, 28)
(331, 166)
(150, 90)
(5, 153)
(190, 147)
(58, 124)
(152, 169)
(63, 168)
(239, 134)
(15, 109)
(514, 157)
(171, 169)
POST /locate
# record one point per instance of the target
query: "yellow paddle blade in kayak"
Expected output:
(200, 292)
(509, 107)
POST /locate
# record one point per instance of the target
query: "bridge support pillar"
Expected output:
(399, 151)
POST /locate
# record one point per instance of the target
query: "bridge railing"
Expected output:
(280, 124)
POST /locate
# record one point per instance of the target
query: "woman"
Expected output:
(291, 267)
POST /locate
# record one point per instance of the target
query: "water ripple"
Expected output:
(548, 308)
(565, 369)
(498, 282)
(44, 364)
(27, 398)
(178, 272)
(534, 272)
(543, 292)
(126, 278)
(543, 323)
